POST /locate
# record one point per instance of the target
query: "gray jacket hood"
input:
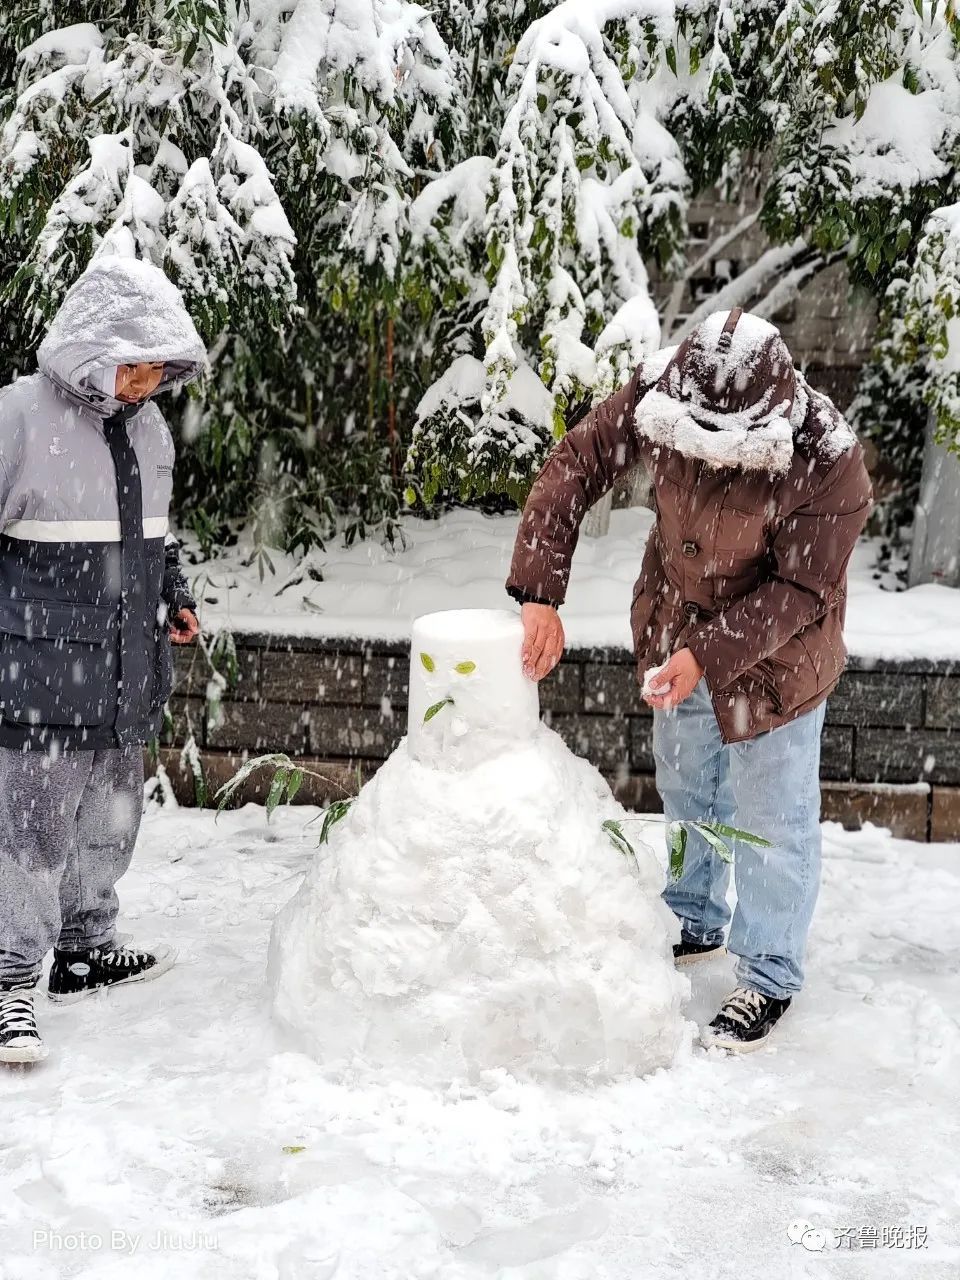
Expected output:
(120, 311)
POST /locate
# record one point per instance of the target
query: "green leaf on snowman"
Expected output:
(437, 706)
(428, 662)
(465, 668)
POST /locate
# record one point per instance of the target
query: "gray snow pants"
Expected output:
(68, 825)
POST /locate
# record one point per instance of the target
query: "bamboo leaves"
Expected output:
(334, 814)
(615, 831)
(716, 834)
(678, 849)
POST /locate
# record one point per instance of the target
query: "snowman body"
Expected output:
(470, 912)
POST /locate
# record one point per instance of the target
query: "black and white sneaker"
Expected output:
(75, 974)
(689, 952)
(745, 1020)
(19, 1038)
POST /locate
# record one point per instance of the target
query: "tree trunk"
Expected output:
(596, 524)
(935, 554)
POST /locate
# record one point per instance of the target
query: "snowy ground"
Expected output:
(461, 561)
(173, 1114)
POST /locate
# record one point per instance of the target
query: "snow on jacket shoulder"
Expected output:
(88, 569)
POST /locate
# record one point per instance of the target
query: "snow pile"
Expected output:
(472, 912)
(172, 1115)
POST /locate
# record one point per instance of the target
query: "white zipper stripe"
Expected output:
(80, 530)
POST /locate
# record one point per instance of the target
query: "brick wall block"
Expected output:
(562, 690)
(184, 713)
(191, 673)
(602, 739)
(903, 810)
(836, 753)
(311, 678)
(943, 702)
(385, 679)
(641, 744)
(882, 698)
(357, 732)
(612, 689)
(260, 727)
(919, 755)
(945, 815)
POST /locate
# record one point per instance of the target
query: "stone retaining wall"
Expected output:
(891, 746)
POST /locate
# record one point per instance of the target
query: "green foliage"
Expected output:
(445, 187)
(336, 812)
(716, 834)
(284, 785)
(436, 708)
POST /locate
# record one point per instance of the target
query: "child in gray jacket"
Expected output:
(91, 594)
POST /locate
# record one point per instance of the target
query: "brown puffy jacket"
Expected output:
(761, 493)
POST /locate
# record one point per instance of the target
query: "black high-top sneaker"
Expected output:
(75, 974)
(688, 951)
(19, 1038)
(745, 1020)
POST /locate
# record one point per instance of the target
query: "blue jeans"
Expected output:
(770, 787)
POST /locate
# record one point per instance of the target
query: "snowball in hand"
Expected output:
(469, 912)
(651, 678)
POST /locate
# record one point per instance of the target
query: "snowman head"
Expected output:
(469, 698)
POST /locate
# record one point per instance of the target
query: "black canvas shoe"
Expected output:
(75, 974)
(745, 1020)
(19, 1038)
(689, 952)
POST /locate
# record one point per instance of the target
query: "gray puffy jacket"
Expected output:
(87, 568)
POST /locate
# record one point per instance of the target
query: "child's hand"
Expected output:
(675, 682)
(184, 628)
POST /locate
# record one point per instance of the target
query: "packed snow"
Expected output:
(177, 1112)
(461, 561)
(470, 912)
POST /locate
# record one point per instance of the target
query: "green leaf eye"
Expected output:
(465, 668)
(428, 662)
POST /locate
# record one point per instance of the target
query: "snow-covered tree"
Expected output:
(836, 123)
(372, 207)
(264, 155)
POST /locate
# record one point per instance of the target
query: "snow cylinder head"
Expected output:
(469, 697)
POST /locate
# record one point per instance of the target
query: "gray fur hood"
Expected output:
(120, 311)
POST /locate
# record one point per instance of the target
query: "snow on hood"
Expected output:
(120, 311)
(726, 396)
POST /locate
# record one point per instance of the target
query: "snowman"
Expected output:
(470, 911)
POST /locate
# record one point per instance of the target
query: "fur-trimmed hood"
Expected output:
(727, 396)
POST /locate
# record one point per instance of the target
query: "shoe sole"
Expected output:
(734, 1046)
(155, 971)
(682, 961)
(24, 1053)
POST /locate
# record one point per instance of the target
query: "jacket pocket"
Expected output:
(739, 535)
(805, 666)
(58, 662)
